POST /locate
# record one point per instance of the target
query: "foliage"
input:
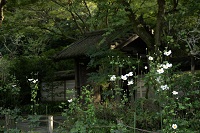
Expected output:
(187, 101)
(177, 103)
(112, 117)
(33, 121)
(175, 94)
(9, 86)
(34, 95)
(11, 116)
(9, 93)
(107, 63)
(85, 114)
(34, 30)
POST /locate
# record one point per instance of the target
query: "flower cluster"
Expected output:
(161, 68)
(161, 73)
(164, 87)
(123, 77)
(33, 80)
(166, 66)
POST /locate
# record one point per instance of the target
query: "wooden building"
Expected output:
(123, 39)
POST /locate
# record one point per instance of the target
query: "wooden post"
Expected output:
(77, 78)
(7, 117)
(134, 121)
(192, 64)
(65, 88)
(50, 124)
(140, 84)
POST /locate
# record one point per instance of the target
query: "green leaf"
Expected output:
(180, 105)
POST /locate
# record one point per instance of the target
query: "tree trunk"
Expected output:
(3, 2)
(159, 24)
(143, 34)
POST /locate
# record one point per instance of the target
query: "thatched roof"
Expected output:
(115, 39)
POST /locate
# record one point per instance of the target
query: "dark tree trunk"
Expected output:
(159, 24)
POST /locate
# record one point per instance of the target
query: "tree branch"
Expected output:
(50, 30)
(81, 20)
(72, 14)
(87, 8)
(174, 8)
(79, 27)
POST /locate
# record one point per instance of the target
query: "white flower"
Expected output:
(123, 77)
(167, 53)
(161, 70)
(14, 86)
(129, 74)
(30, 80)
(169, 65)
(164, 87)
(150, 58)
(165, 66)
(34, 81)
(174, 92)
(174, 126)
(70, 100)
(145, 67)
(113, 78)
(130, 82)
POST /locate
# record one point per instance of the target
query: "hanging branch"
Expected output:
(2, 4)
(79, 27)
(73, 14)
(83, 22)
(87, 8)
(6, 46)
(192, 39)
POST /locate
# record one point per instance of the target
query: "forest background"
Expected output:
(33, 31)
